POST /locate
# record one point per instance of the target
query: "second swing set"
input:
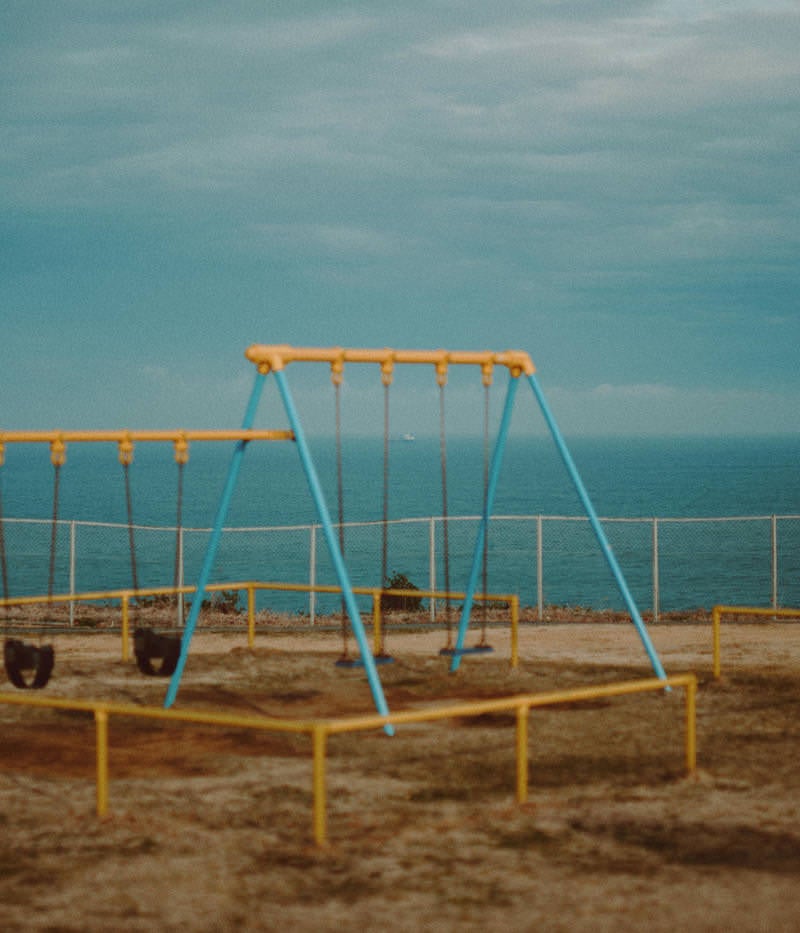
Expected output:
(29, 665)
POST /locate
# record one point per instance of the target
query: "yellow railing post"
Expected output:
(523, 713)
(251, 615)
(101, 728)
(126, 648)
(691, 725)
(319, 737)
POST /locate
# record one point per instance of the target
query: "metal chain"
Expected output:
(3, 561)
(485, 556)
(385, 525)
(54, 530)
(340, 501)
(385, 540)
(131, 541)
(445, 523)
(178, 532)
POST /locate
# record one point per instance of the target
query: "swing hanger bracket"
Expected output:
(58, 451)
(125, 445)
(181, 445)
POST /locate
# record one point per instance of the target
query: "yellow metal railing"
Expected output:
(320, 730)
(716, 625)
(252, 586)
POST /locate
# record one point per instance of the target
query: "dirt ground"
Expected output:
(210, 829)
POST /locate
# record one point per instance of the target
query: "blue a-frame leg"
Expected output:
(328, 530)
(594, 521)
(213, 541)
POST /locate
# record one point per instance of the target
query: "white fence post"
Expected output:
(72, 571)
(312, 574)
(656, 581)
(774, 553)
(539, 569)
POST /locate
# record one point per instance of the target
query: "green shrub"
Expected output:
(224, 601)
(394, 603)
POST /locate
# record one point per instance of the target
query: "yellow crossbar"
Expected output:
(114, 436)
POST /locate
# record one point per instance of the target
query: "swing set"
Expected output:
(273, 360)
(29, 666)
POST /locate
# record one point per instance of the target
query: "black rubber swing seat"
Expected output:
(358, 662)
(476, 649)
(149, 646)
(20, 658)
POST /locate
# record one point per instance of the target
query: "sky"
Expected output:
(610, 186)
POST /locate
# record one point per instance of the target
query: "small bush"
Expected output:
(157, 601)
(394, 603)
(224, 601)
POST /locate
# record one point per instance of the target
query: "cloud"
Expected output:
(660, 409)
(264, 34)
(612, 185)
(340, 240)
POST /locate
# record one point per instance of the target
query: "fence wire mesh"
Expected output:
(670, 564)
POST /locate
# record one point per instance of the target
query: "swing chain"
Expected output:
(181, 446)
(58, 457)
(441, 378)
(336, 378)
(485, 555)
(3, 560)
(126, 458)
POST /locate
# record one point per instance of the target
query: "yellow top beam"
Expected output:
(125, 440)
(277, 356)
(120, 437)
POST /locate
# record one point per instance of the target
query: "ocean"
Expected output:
(627, 478)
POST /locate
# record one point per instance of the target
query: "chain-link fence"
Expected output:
(670, 564)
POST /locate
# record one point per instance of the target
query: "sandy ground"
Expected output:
(210, 829)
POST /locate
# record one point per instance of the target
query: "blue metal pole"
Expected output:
(605, 547)
(213, 542)
(491, 489)
(333, 548)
